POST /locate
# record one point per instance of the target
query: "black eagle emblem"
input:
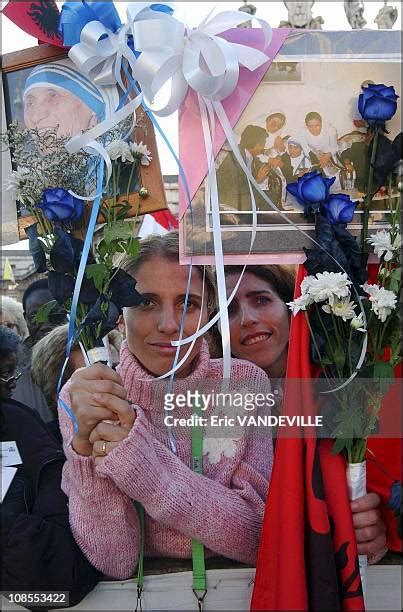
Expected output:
(45, 14)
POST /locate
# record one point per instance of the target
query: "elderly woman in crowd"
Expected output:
(12, 316)
(58, 96)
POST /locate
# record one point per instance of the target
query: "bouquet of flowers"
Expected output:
(46, 183)
(354, 322)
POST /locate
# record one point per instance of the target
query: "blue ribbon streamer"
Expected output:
(79, 280)
(87, 247)
(182, 174)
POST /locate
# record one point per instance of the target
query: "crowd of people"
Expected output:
(70, 516)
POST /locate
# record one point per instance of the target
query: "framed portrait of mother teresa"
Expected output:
(44, 91)
(301, 116)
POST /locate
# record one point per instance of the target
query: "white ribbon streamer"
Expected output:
(209, 137)
(178, 344)
(87, 140)
(82, 140)
(357, 488)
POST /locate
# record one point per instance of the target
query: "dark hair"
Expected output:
(279, 115)
(311, 116)
(10, 342)
(38, 285)
(281, 278)
(251, 136)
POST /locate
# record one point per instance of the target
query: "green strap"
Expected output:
(198, 560)
(140, 565)
(199, 567)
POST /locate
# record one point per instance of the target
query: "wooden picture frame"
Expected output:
(150, 176)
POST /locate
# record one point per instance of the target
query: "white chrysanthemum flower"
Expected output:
(141, 153)
(383, 245)
(119, 149)
(341, 308)
(16, 182)
(383, 302)
(214, 448)
(306, 284)
(300, 303)
(358, 323)
(372, 290)
(328, 286)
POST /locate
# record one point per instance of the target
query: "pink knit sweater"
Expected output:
(223, 508)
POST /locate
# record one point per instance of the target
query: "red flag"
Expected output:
(308, 554)
(166, 219)
(385, 458)
(39, 19)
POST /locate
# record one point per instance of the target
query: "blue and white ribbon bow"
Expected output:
(98, 39)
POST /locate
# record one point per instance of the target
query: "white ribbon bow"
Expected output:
(195, 58)
(100, 53)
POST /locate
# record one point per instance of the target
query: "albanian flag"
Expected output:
(385, 457)
(308, 553)
(39, 19)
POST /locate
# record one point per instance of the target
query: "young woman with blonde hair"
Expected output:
(118, 455)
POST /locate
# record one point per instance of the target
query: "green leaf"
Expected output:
(340, 445)
(122, 214)
(103, 211)
(43, 313)
(102, 249)
(98, 273)
(349, 421)
(120, 230)
(132, 248)
(395, 278)
(105, 308)
(339, 358)
(384, 375)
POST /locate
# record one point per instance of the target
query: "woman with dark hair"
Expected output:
(233, 186)
(259, 316)
(260, 328)
(39, 551)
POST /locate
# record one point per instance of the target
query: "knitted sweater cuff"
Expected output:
(134, 466)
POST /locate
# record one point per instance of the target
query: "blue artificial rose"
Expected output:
(59, 205)
(395, 496)
(339, 208)
(377, 103)
(311, 190)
